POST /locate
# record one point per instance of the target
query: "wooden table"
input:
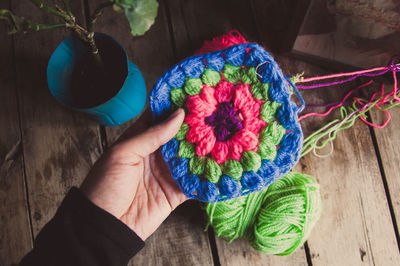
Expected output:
(45, 148)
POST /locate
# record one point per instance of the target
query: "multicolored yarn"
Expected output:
(274, 221)
(379, 101)
(241, 130)
(278, 219)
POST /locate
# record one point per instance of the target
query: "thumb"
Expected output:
(150, 140)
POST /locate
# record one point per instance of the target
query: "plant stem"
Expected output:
(97, 12)
(88, 39)
(87, 36)
(97, 59)
(38, 27)
(50, 10)
(67, 8)
(21, 24)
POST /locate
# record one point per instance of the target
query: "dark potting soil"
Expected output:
(91, 85)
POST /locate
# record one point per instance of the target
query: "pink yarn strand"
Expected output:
(365, 73)
(395, 87)
(338, 75)
(388, 117)
(378, 126)
(373, 72)
(335, 106)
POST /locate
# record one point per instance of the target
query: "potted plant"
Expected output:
(90, 72)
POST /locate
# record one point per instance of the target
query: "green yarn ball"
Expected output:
(275, 221)
(232, 219)
(291, 207)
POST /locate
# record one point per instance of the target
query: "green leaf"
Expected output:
(126, 4)
(141, 14)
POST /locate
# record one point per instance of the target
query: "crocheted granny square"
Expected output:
(241, 130)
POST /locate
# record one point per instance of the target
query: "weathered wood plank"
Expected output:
(355, 33)
(278, 22)
(59, 145)
(387, 140)
(239, 253)
(356, 218)
(180, 240)
(15, 230)
(193, 22)
(356, 226)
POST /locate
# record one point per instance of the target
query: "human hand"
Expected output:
(132, 182)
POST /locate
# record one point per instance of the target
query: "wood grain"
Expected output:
(356, 226)
(180, 240)
(278, 22)
(387, 140)
(239, 253)
(15, 230)
(193, 22)
(361, 34)
(60, 145)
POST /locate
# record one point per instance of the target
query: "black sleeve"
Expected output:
(83, 234)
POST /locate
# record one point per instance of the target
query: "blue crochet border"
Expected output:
(248, 55)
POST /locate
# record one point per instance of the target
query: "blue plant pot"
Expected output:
(126, 104)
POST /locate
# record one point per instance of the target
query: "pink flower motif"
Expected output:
(224, 121)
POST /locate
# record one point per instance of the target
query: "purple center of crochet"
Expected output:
(225, 121)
